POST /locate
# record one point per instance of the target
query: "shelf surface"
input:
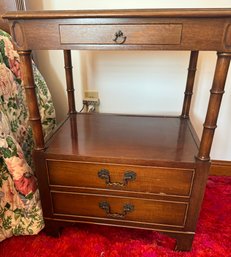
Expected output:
(109, 137)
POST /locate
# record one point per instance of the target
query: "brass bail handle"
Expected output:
(128, 176)
(119, 37)
(125, 210)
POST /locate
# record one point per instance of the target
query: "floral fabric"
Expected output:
(20, 209)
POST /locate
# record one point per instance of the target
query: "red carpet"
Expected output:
(213, 237)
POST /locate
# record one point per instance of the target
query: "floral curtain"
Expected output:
(20, 209)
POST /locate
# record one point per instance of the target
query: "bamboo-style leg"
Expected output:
(217, 92)
(74, 133)
(189, 84)
(69, 81)
(29, 85)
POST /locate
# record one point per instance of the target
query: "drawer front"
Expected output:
(117, 177)
(135, 34)
(120, 208)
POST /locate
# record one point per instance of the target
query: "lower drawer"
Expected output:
(120, 208)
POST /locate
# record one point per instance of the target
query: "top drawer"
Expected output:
(127, 34)
(154, 180)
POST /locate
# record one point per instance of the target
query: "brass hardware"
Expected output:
(106, 207)
(128, 176)
(119, 37)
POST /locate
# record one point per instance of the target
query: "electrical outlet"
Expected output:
(91, 101)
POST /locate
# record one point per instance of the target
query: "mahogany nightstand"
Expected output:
(122, 170)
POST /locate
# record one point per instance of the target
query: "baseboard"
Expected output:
(220, 168)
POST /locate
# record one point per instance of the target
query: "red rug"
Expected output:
(213, 236)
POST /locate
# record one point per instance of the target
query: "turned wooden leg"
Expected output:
(190, 83)
(69, 81)
(29, 85)
(217, 91)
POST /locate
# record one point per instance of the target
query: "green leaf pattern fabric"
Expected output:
(20, 208)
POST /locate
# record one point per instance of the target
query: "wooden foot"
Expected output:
(52, 228)
(184, 242)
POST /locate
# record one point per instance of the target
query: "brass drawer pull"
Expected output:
(106, 207)
(128, 176)
(119, 37)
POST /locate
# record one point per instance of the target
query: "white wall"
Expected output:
(139, 82)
